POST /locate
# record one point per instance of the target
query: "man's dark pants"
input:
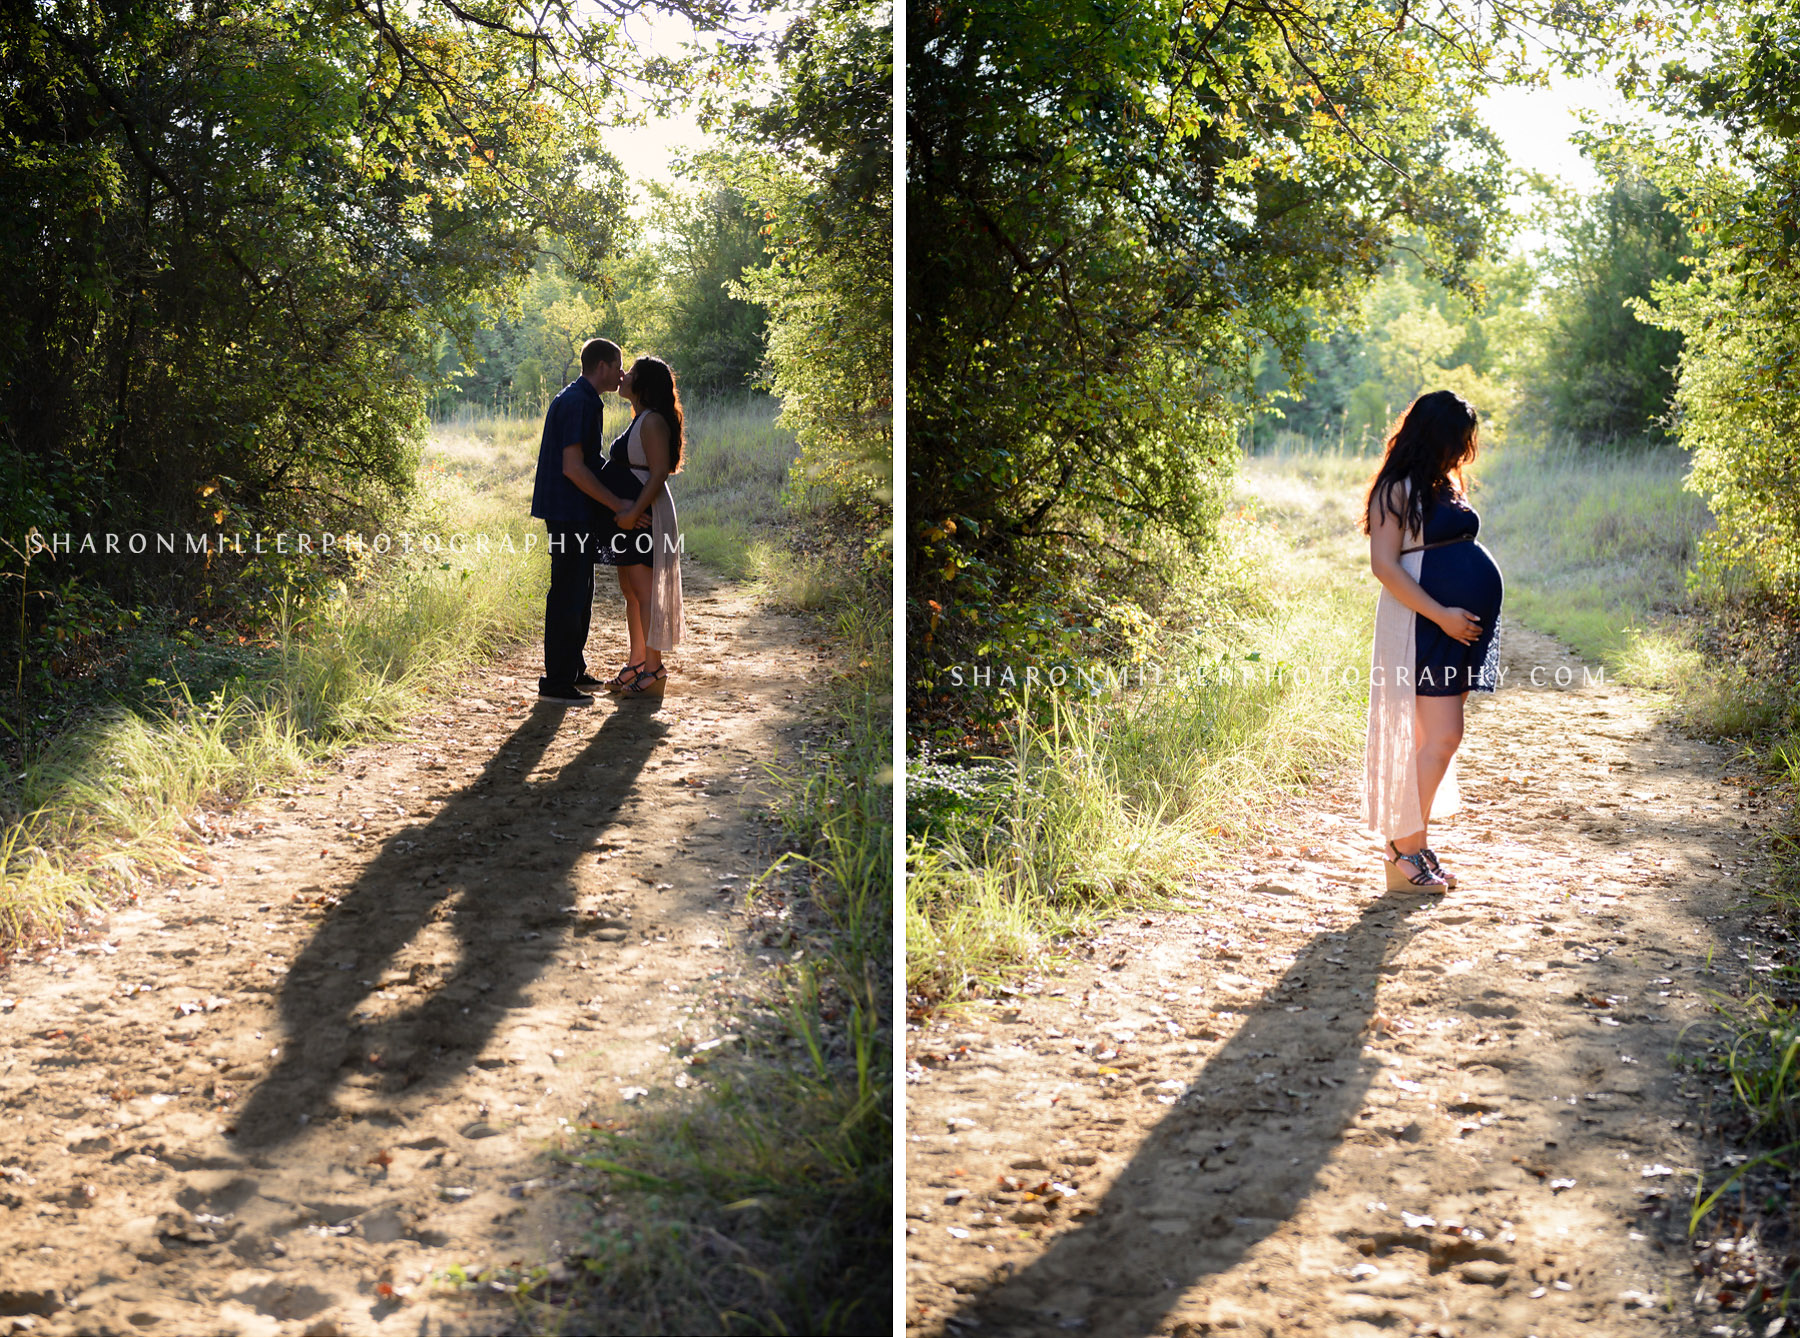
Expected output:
(568, 608)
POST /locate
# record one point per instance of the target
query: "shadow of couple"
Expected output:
(494, 864)
(1228, 1164)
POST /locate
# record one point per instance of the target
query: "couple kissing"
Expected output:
(612, 508)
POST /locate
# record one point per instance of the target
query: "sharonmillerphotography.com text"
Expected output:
(138, 543)
(1098, 679)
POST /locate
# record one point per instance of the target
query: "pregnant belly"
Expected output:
(620, 481)
(1464, 576)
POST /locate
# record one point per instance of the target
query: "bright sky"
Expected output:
(1534, 124)
(647, 151)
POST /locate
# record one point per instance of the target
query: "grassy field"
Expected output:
(733, 490)
(1600, 552)
(1599, 546)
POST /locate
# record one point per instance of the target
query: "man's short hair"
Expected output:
(597, 351)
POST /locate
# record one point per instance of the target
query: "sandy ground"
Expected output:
(283, 1095)
(1309, 1106)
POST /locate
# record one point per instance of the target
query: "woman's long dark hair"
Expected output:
(653, 381)
(1435, 439)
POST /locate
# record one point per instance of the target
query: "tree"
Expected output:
(1604, 374)
(544, 324)
(1736, 166)
(682, 304)
(528, 381)
(1407, 333)
(821, 168)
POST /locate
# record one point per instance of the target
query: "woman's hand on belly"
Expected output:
(1460, 625)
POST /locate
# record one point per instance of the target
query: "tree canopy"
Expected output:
(1733, 158)
(1605, 375)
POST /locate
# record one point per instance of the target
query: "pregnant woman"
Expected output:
(642, 542)
(1437, 629)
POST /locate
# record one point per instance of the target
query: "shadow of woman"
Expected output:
(507, 909)
(1233, 1158)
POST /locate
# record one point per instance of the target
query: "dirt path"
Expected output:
(281, 1096)
(1312, 1107)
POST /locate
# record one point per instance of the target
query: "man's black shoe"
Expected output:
(588, 683)
(563, 696)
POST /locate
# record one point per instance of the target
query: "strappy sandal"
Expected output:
(1431, 862)
(623, 679)
(647, 681)
(1412, 872)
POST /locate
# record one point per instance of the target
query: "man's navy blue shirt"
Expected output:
(574, 419)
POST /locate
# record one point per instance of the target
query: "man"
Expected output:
(560, 499)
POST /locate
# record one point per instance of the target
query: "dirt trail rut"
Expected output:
(280, 1096)
(1314, 1107)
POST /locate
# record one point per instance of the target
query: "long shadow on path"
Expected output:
(1232, 1161)
(496, 863)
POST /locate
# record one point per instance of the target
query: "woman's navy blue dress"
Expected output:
(615, 547)
(1459, 576)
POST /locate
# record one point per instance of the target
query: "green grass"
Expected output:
(1104, 801)
(1598, 548)
(1764, 1066)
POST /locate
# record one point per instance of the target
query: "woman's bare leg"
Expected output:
(1438, 730)
(634, 616)
(641, 579)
